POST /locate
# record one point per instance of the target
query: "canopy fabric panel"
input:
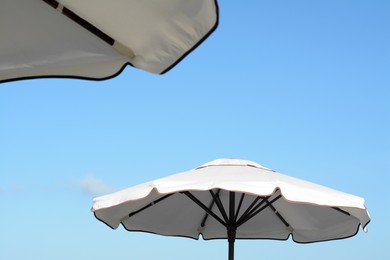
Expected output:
(45, 38)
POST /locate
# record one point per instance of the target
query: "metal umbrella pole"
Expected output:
(231, 229)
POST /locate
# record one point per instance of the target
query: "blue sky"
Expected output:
(302, 87)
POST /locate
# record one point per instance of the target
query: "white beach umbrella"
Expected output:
(96, 39)
(230, 198)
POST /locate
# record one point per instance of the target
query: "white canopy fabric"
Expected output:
(96, 39)
(266, 204)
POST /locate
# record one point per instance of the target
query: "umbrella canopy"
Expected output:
(96, 39)
(231, 198)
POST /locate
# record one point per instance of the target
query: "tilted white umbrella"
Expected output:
(96, 39)
(231, 198)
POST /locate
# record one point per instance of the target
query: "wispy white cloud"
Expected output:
(93, 186)
(13, 189)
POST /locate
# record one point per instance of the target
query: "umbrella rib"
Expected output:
(250, 216)
(150, 204)
(52, 3)
(210, 208)
(91, 28)
(342, 211)
(220, 206)
(239, 206)
(252, 207)
(204, 207)
(80, 21)
(279, 215)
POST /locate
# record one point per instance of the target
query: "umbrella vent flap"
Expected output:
(232, 162)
